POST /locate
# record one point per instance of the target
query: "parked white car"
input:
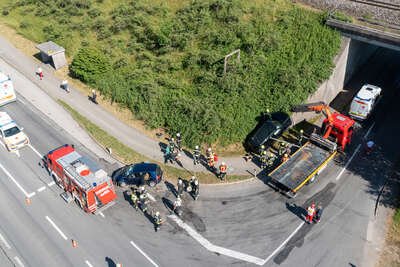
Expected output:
(364, 102)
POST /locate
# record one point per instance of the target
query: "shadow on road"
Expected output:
(297, 210)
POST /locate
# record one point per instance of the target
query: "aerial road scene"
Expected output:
(199, 133)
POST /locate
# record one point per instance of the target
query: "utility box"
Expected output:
(52, 53)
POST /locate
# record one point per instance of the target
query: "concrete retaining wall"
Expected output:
(353, 54)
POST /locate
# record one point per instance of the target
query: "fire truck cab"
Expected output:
(81, 178)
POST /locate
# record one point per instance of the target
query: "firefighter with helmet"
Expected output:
(179, 141)
(196, 155)
(157, 220)
(262, 150)
(134, 199)
(281, 149)
(180, 187)
(194, 183)
(264, 160)
(222, 171)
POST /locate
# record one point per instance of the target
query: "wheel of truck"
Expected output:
(152, 183)
(78, 203)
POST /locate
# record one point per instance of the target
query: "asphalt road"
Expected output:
(244, 223)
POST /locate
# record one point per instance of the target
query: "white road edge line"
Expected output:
(41, 189)
(210, 247)
(144, 254)
(15, 181)
(355, 152)
(23, 102)
(101, 214)
(56, 227)
(283, 243)
(34, 150)
(19, 261)
(31, 194)
(88, 263)
(51, 183)
(5, 241)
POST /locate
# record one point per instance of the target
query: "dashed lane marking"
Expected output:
(5, 241)
(56, 227)
(15, 182)
(17, 260)
(51, 183)
(144, 254)
(41, 189)
(34, 150)
(151, 197)
(101, 214)
(88, 263)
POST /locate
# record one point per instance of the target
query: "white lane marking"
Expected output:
(355, 152)
(15, 181)
(17, 153)
(283, 243)
(34, 150)
(88, 263)
(101, 214)
(348, 162)
(41, 189)
(51, 183)
(217, 249)
(19, 99)
(369, 130)
(19, 261)
(144, 254)
(5, 241)
(151, 197)
(31, 194)
(56, 227)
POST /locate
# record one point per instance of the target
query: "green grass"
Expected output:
(396, 218)
(127, 155)
(165, 57)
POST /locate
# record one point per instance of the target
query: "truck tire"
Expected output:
(78, 203)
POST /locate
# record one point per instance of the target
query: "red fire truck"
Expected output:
(82, 180)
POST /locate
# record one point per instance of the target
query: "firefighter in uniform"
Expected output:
(210, 158)
(179, 141)
(157, 220)
(172, 145)
(261, 150)
(310, 213)
(134, 199)
(285, 157)
(194, 183)
(281, 149)
(196, 155)
(143, 202)
(264, 160)
(180, 187)
(222, 171)
(271, 160)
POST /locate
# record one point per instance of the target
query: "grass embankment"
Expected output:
(127, 155)
(163, 60)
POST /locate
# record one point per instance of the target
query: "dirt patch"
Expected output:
(391, 252)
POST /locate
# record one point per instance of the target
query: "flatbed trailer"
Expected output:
(306, 163)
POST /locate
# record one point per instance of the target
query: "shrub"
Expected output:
(89, 64)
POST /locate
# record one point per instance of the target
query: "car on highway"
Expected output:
(136, 174)
(364, 102)
(270, 126)
(11, 133)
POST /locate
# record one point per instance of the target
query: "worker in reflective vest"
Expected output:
(222, 171)
(310, 213)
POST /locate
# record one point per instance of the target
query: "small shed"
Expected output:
(52, 53)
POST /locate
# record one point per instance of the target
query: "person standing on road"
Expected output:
(179, 141)
(196, 155)
(263, 159)
(172, 145)
(94, 96)
(318, 213)
(222, 171)
(39, 72)
(310, 213)
(261, 150)
(369, 146)
(64, 85)
(180, 187)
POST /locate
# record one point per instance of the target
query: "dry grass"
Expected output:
(391, 252)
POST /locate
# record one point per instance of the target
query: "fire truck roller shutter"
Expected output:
(105, 194)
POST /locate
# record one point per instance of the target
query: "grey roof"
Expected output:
(50, 48)
(73, 163)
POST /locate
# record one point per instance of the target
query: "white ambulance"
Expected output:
(364, 102)
(11, 134)
(7, 93)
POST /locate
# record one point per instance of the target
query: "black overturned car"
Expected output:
(271, 125)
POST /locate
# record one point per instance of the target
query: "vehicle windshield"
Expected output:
(12, 131)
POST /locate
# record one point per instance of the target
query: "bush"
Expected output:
(89, 64)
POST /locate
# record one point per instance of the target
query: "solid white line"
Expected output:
(1, 143)
(17, 153)
(56, 227)
(19, 261)
(144, 254)
(348, 162)
(5, 241)
(31, 194)
(101, 214)
(34, 150)
(88, 263)
(41, 189)
(151, 197)
(283, 243)
(217, 249)
(369, 130)
(15, 181)
(21, 101)
(51, 183)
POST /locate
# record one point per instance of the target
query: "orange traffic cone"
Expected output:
(27, 201)
(74, 243)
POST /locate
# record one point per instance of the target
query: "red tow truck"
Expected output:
(82, 179)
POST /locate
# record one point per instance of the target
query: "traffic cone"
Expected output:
(74, 243)
(119, 265)
(27, 201)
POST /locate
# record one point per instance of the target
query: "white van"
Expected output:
(364, 102)
(7, 93)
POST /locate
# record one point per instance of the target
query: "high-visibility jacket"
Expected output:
(310, 211)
